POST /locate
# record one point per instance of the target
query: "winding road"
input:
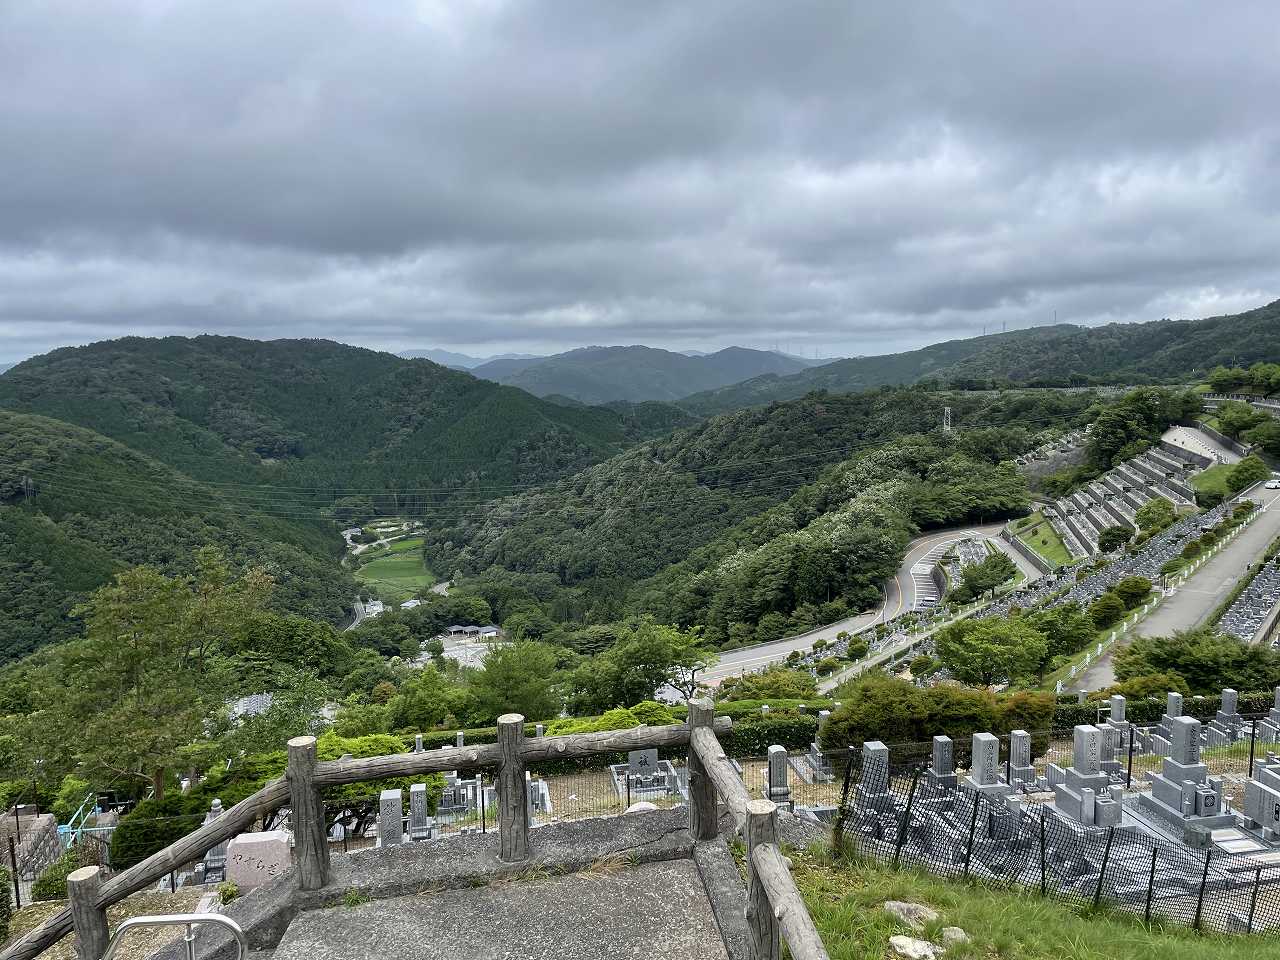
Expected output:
(900, 596)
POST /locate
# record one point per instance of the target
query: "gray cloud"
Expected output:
(482, 174)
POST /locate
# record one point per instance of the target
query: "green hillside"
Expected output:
(1062, 355)
(75, 507)
(639, 531)
(323, 419)
(598, 375)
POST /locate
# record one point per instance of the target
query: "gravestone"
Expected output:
(1269, 728)
(1227, 724)
(1081, 792)
(1164, 730)
(1021, 770)
(942, 769)
(642, 763)
(461, 739)
(421, 823)
(1262, 798)
(1183, 792)
(984, 766)
(778, 789)
(215, 861)
(391, 817)
(875, 767)
(417, 743)
(257, 858)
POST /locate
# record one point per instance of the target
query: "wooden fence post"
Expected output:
(306, 814)
(761, 828)
(513, 802)
(704, 824)
(89, 920)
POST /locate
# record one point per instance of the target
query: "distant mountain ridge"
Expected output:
(319, 415)
(597, 375)
(460, 361)
(1059, 355)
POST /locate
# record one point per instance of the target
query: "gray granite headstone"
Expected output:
(875, 766)
(390, 817)
(1117, 708)
(1184, 744)
(1230, 701)
(1173, 704)
(1087, 756)
(419, 811)
(778, 767)
(1020, 748)
(944, 761)
(985, 767)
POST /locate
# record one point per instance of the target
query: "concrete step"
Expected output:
(654, 909)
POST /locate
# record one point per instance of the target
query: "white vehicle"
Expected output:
(1273, 484)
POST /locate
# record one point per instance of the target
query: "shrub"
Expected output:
(1132, 590)
(752, 736)
(652, 713)
(52, 883)
(228, 891)
(1106, 610)
(826, 666)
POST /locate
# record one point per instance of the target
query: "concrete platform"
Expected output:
(654, 909)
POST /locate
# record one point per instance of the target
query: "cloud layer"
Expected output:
(479, 174)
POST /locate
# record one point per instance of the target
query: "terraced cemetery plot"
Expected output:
(397, 573)
(1040, 536)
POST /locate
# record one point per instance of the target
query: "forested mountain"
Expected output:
(76, 507)
(674, 508)
(601, 374)
(321, 420)
(1061, 355)
(460, 361)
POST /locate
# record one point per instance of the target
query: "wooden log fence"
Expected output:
(776, 910)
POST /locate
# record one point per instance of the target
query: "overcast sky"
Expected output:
(485, 175)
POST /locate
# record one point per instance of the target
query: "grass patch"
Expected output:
(1213, 480)
(397, 573)
(1040, 536)
(844, 898)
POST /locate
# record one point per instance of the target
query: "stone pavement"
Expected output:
(655, 909)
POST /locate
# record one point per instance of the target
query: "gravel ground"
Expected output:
(138, 945)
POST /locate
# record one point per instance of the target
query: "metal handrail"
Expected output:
(190, 920)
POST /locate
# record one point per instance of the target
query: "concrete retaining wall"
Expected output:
(1037, 561)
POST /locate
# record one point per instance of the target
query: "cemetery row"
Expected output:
(1165, 836)
(1115, 497)
(1251, 613)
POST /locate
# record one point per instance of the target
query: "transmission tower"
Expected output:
(946, 419)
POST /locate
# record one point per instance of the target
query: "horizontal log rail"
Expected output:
(534, 750)
(331, 773)
(195, 844)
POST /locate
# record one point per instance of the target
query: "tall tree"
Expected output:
(140, 686)
(984, 652)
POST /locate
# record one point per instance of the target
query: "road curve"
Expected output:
(899, 598)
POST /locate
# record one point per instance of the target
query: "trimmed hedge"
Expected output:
(1068, 715)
